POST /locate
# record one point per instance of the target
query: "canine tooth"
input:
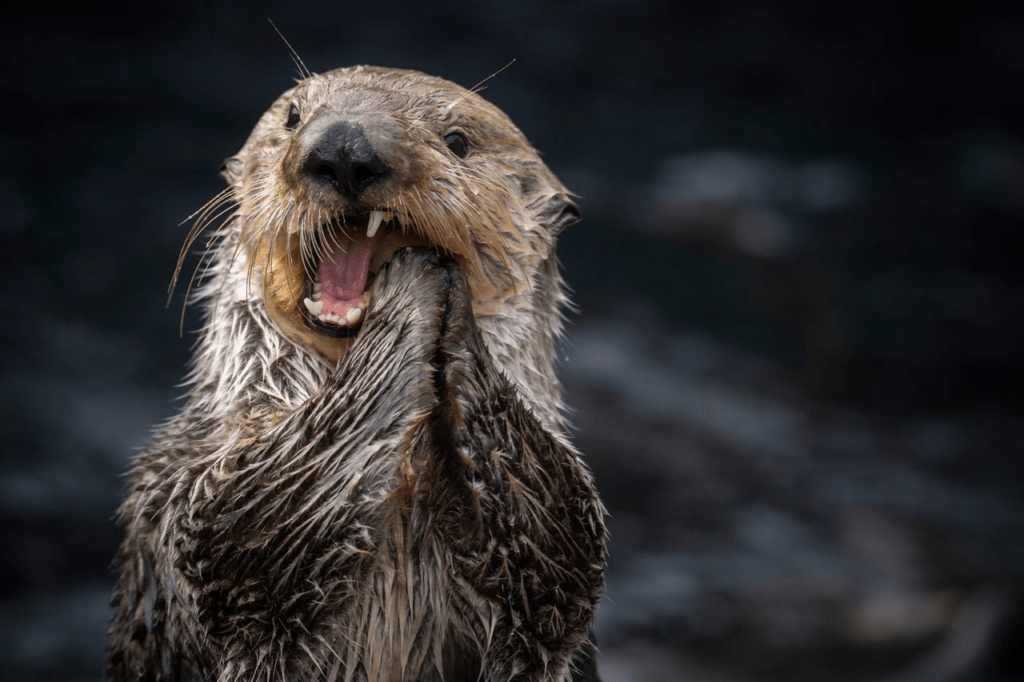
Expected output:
(376, 218)
(354, 315)
(315, 307)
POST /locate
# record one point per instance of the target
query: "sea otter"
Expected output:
(370, 479)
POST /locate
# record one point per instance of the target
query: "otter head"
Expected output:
(350, 165)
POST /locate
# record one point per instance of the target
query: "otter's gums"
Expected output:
(370, 478)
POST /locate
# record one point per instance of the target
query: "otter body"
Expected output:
(370, 479)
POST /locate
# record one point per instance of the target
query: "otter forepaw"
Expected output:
(411, 285)
(398, 339)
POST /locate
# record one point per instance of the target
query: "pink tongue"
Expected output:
(344, 271)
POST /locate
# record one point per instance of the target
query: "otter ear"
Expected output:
(563, 212)
(231, 170)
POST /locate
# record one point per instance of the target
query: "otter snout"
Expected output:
(344, 158)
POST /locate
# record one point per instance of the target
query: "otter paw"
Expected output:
(412, 285)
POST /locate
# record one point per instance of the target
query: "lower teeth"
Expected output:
(352, 317)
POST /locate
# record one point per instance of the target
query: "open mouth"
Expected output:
(353, 248)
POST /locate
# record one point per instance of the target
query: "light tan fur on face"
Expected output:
(497, 211)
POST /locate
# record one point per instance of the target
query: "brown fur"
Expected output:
(398, 505)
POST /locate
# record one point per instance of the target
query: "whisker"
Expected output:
(200, 224)
(296, 59)
(476, 88)
(306, 254)
(332, 236)
(188, 290)
(206, 261)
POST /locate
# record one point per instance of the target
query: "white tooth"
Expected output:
(376, 218)
(316, 286)
(315, 307)
(354, 315)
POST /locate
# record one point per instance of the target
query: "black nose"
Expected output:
(345, 159)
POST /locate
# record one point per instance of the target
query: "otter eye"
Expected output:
(293, 117)
(457, 143)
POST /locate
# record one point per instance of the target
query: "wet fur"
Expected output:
(404, 506)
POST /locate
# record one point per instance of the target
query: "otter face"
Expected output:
(351, 165)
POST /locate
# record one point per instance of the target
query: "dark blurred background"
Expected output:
(797, 362)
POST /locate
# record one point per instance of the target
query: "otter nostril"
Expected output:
(325, 172)
(363, 175)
